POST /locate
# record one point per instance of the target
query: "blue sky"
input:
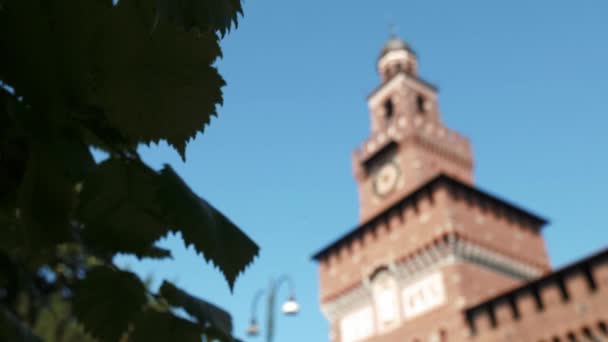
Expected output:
(526, 81)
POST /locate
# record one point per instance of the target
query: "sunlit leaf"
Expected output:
(54, 322)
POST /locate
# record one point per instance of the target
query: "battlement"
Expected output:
(565, 301)
(421, 226)
(431, 132)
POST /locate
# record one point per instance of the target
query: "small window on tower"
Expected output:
(388, 110)
(421, 104)
(409, 69)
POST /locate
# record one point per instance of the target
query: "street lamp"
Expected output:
(290, 307)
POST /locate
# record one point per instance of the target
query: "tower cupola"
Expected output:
(396, 56)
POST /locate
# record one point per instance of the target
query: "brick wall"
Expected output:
(570, 303)
(409, 229)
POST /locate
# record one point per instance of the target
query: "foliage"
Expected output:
(77, 74)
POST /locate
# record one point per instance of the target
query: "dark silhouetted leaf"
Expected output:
(119, 208)
(110, 74)
(155, 326)
(215, 320)
(12, 329)
(46, 196)
(204, 227)
(205, 15)
(148, 87)
(107, 301)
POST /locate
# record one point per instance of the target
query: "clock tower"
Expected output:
(428, 243)
(409, 144)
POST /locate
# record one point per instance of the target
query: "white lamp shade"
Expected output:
(291, 307)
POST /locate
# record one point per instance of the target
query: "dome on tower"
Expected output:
(395, 44)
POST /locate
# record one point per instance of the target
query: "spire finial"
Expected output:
(392, 30)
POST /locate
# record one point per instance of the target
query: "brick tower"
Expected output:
(429, 244)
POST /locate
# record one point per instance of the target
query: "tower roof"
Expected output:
(395, 44)
(441, 180)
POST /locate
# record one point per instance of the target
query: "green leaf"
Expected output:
(107, 301)
(144, 86)
(11, 329)
(119, 208)
(47, 60)
(44, 200)
(55, 322)
(201, 225)
(126, 207)
(159, 326)
(46, 195)
(205, 15)
(215, 320)
(11, 236)
(13, 151)
(155, 85)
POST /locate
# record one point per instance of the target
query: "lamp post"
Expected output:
(290, 307)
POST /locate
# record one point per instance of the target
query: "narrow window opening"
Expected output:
(421, 104)
(572, 337)
(388, 110)
(555, 339)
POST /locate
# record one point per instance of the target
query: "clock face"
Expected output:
(385, 180)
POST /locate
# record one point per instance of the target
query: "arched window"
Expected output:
(443, 335)
(384, 290)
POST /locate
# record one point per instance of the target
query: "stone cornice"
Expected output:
(447, 250)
